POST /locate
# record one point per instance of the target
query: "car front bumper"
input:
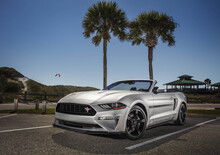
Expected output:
(104, 121)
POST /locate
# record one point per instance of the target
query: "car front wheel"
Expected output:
(136, 123)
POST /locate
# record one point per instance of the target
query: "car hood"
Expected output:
(102, 96)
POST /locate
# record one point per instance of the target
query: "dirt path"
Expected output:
(24, 82)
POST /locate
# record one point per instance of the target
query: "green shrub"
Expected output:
(34, 87)
(12, 87)
(3, 83)
(8, 97)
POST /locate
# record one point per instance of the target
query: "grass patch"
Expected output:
(29, 111)
(215, 112)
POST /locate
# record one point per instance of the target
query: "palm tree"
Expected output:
(147, 28)
(102, 20)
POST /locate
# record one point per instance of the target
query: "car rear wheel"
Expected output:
(181, 115)
(136, 123)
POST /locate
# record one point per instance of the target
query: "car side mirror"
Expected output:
(155, 90)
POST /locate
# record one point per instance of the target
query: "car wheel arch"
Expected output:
(140, 104)
(143, 107)
(184, 104)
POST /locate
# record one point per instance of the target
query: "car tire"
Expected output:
(181, 119)
(136, 123)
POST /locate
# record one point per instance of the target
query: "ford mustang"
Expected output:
(129, 106)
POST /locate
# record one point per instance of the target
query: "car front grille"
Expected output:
(75, 109)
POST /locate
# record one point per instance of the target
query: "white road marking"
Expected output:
(8, 115)
(168, 135)
(22, 129)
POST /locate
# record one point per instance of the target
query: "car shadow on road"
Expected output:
(111, 136)
(117, 143)
(90, 143)
(109, 143)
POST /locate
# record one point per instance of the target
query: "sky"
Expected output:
(41, 38)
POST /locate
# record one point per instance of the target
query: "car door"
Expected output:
(149, 102)
(163, 104)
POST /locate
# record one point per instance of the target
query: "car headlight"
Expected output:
(113, 106)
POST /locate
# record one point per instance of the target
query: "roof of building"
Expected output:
(185, 76)
(185, 80)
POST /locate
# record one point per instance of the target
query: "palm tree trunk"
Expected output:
(150, 59)
(104, 63)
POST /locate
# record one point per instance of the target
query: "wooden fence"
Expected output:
(30, 97)
(39, 97)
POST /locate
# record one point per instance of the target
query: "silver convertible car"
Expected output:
(129, 107)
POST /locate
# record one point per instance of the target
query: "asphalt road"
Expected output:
(33, 134)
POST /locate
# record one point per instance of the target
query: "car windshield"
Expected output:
(133, 85)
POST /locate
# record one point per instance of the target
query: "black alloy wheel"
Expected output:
(182, 115)
(136, 123)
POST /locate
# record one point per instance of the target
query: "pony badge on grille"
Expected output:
(87, 109)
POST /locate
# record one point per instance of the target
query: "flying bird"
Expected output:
(57, 75)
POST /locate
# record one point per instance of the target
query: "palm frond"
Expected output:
(96, 40)
(102, 19)
(149, 26)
